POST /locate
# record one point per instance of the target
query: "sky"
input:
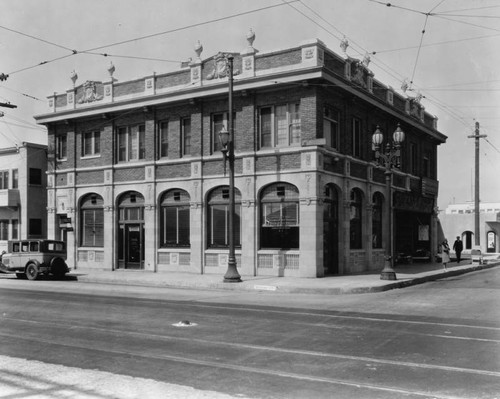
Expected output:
(446, 50)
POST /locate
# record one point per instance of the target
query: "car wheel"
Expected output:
(58, 268)
(32, 272)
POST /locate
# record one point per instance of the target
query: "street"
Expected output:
(435, 340)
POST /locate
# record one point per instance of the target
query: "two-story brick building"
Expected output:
(23, 198)
(135, 167)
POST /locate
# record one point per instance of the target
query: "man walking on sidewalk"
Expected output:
(458, 246)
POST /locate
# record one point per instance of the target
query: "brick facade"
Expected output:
(286, 92)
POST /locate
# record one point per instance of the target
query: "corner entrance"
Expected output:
(131, 231)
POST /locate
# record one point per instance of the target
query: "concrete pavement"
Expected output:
(407, 275)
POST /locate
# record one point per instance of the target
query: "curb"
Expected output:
(249, 286)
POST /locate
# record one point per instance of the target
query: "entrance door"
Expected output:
(131, 246)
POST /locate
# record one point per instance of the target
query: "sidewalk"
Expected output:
(407, 275)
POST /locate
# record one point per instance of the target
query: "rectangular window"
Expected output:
(356, 137)
(163, 139)
(61, 147)
(218, 122)
(91, 144)
(4, 179)
(15, 229)
(93, 227)
(131, 143)
(185, 136)
(280, 125)
(413, 159)
(4, 229)
(35, 177)
(219, 225)
(427, 167)
(175, 226)
(331, 127)
(15, 178)
(35, 227)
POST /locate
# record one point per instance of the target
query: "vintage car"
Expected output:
(35, 257)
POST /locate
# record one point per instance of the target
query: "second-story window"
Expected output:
(280, 125)
(356, 137)
(35, 176)
(4, 179)
(91, 144)
(331, 127)
(15, 178)
(131, 143)
(163, 139)
(185, 136)
(61, 146)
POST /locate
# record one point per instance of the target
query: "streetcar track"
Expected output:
(254, 347)
(246, 369)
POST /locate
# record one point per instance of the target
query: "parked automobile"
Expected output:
(33, 258)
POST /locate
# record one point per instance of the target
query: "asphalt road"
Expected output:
(436, 340)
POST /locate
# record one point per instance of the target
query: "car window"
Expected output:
(34, 246)
(24, 247)
(15, 247)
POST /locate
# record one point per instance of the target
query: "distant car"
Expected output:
(33, 258)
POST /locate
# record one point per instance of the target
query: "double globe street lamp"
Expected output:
(391, 160)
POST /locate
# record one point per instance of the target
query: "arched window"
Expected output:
(355, 219)
(92, 221)
(174, 219)
(377, 220)
(218, 218)
(279, 210)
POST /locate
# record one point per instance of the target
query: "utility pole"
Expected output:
(3, 77)
(477, 234)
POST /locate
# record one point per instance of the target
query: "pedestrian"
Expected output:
(458, 247)
(446, 253)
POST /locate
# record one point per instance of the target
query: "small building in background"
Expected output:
(458, 220)
(23, 195)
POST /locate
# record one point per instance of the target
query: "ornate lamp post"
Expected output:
(227, 142)
(390, 159)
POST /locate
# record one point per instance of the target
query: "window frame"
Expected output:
(332, 140)
(4, 179)
(218, 199)
(95, 144)
(163, 138)
(185, 137)
(35, 176)
(133, 138)
(356, 129)
(179, 201)
(92, 205)
(62, 147)
(293, 137)
(274, 199)
(15, 178)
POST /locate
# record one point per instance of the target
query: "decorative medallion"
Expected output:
(89, 93)
(221, 67)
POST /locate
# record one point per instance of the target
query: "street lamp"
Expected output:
(227, 142)
(390, 159)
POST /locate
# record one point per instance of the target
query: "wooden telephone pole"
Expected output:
(477, 234)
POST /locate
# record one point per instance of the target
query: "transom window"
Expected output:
(279, 216)
(131, 143)
(280, 125)
(174, 219)
(91, 143)
(331, 127)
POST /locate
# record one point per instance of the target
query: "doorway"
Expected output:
(131, 231)
(331, 231)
